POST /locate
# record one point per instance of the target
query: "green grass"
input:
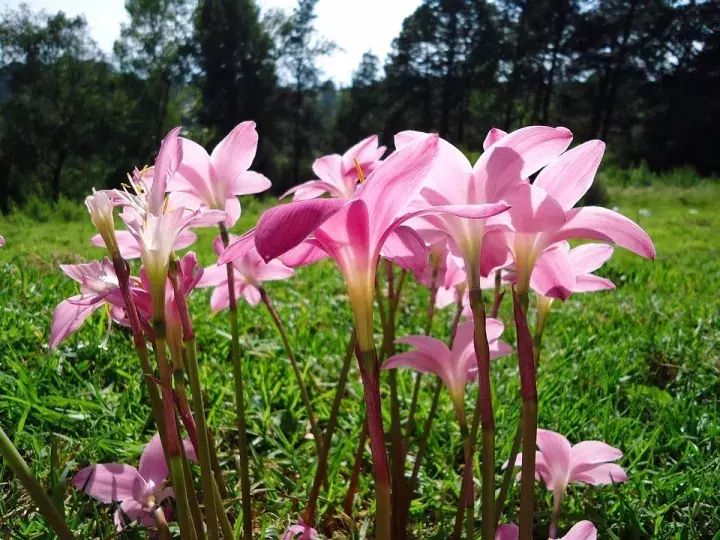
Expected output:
(637, 368)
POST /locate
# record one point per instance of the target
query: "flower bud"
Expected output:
(101, 214)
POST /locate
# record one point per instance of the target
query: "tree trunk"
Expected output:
(561, 11)
(57, 174)
(297, 143)
(449, 77)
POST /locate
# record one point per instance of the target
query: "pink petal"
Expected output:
(68, 317)
(213, 276)
(189, 451)
(233, 210)
(329, 170)
(310, 190)
(604, 473)
(306, 253)
(495, 252)
(152, 462)
(395, 183)
(553, 274)
(533, 210)
(589, 257)
(593, 452)
(568, 177)
(366, 151)
(493, 136)
(283, 227)
(583, 530)
(235, 153)
(220, 298)
(249, 183)
(419, 361)
(494, 329)
(251, 295)
(499, 349)
(194, 175)
(346, 238)
(185, 199)
(111, 482)
(427, 345)
(592, 283)
(517, 156)
(127, 244)
(167, 162)
(507, 532)
(556, 451)
(82, 272)
(238, 248)
(2, 241)
(596, 223)
(406, 248)
(273, 271)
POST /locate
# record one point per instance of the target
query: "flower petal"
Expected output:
(593, 452)
(592, 283)
(582, 530)
(111, 482)
(507, 532)
(166, 164)
(568, 177)
(273, 271)
(304, 254)
(284, 227)
(589, 257)
(310, 190)
(604, 473)
(533, 210)
(233, 211)
(556, 451)
(597, 223)
(553, 274)
(406, 248)
(152, 462)
(220, 298)
(213, 276)
(238, 248)
(366, 151)
(194, 173)
(493, 136)
(249, 183)
(69, 316)
(235, 153)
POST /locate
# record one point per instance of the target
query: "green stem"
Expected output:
(296, 368)
(485, 409)
(355, 476)
(25, 476)
(206, 470)
(225, 526)
(509, 473)
(369, 370)
(239, 395)
(181, 497)
(467, 497)
(195, 513)
(219, 480)
(324, 451)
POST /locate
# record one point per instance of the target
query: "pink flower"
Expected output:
(356, 231)
(2, 241)
(455, 367)
(98, 287)
(250, 272)
(542, 214)
(500, 169)
(139, 490)
(305, 531)
(582, 530)
(338, 174)
(215, 181)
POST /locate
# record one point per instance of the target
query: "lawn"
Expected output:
(637, 368)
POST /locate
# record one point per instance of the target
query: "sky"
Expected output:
(356, 26)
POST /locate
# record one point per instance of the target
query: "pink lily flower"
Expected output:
(2, 241)
(215, 181)
(356, 231)
(250, 272)
(497, 173)
(558, 463)
(98, 287)
(582, 530)
(301, 528)
(139, 491)
(455, 367)
(543, 215)
(338, 174)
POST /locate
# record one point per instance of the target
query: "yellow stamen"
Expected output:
(361, 176)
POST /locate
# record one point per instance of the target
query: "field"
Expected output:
(637, 368)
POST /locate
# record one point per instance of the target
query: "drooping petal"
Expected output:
(69, 316)
(419, 361)
(111, 482)
(406, 248)
(249, 183)
(220, 298)
(553, 275)
(166, 164)
(152, 462)
(304, 254)
(592, 283)
(283, 227)
(597, 223)
(604, 473)
(499, 349)
(583, 530)
(494, 328)
(233, 210)
(517, 156)
(273, 271)
(493, 136)
(251, 294)
(593, 452)
(238, 247)
(427, 345)
(235, 153)
(556, 451)
(589, 257)
(568, 177)
(507, 532)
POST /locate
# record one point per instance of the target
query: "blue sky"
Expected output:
(355, 25)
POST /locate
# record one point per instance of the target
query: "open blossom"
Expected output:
(98, 287)
(455, 367)
(543, 214)
(250, 271)
(356, 231)
(138, 490)
(338, 175)
(582, 530)
(215, 181)
(305, 532)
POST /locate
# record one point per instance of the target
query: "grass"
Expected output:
(637, 368)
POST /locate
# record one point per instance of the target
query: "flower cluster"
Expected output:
(467, 232)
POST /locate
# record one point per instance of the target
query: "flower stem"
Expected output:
(324, 450)
(484, 406)
(418, 377)
(509, 473)
(195, 513)
(467, 497)
(296, 368)
(219, 480)
(528, 385)
(123, 274)
(239, 395)
(355, 476)
(558, 492)
(498, 296)
(369, 370)
(162, 526)
(18, 465)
